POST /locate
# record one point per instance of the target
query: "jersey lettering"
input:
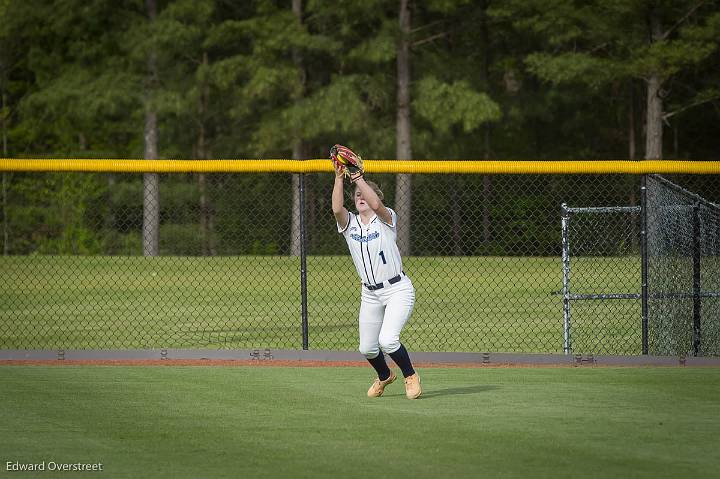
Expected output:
(372, 248)
(365, 239)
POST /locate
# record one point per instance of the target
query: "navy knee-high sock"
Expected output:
(378, 362)
(402, 359)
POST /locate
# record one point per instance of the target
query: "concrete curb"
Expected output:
(484, 358)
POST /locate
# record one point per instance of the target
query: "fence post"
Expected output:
(303, 265)
(567, 346)
(697, 297)
(644, 262)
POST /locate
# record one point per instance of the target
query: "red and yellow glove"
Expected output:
(346, 161)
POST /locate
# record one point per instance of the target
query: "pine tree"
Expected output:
(598, 44)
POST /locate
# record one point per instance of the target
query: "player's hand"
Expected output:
(339, 170)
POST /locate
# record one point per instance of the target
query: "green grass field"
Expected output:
(271, 422)
(463, 304)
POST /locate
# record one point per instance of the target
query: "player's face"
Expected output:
(360, 203)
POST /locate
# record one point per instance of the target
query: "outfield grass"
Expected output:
(463, 304)
(271, 422)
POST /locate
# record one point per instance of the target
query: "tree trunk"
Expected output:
(632, 139)
(631, 124)
(456, 212)
(299, 151)
(6, 230)
(487, 194)
(653, 142)
(111, 219)
(654, 121)
(403, 147)
(485, 75)
(207, 222)
(151, 187)
(151, 191)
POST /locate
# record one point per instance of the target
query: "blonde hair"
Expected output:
(375, 188)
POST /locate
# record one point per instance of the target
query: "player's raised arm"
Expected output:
(372, 199)
(340, 212)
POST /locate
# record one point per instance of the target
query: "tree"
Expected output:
(70, 94)
(5, 60)
(602, 43)
(287, 89)
(151, 190)
(188, 97)
(451, 94)
(299, 145)
(403, 143)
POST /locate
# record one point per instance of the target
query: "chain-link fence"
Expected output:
(683, 270)
(601, 279)
(249, 261)
(607, 249)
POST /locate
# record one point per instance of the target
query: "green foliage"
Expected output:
(380, 48)
(445, 105)
(180, 239)
(529, 79)
(445, 6)
(573, 67)
(339, 107)
(76, 71)
(55, 214)
(670, 57)
(600, 42)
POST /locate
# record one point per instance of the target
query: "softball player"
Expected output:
(387, 294)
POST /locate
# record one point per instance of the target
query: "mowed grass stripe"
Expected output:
(317, 422)
(463, 304)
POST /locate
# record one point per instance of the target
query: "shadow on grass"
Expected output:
(480, 388)
(431, 393)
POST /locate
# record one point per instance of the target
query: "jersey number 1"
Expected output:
(382, 255)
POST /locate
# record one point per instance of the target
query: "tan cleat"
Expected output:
(378, 387)
(412, 386)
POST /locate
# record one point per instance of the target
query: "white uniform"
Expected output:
(388, 295)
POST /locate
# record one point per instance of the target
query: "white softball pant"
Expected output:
(383, 314)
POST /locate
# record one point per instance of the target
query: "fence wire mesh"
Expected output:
(101, 261)
(683, 274)
(603, 268)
